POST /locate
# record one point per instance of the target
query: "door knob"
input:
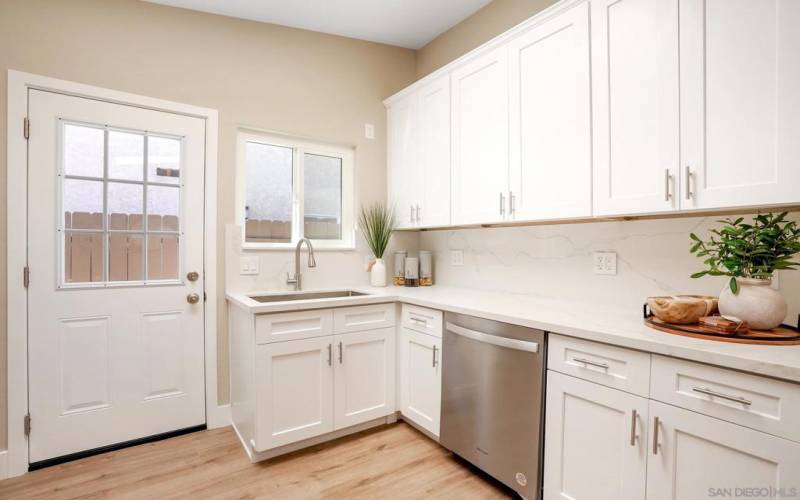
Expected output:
(193, 298)
(192, 276)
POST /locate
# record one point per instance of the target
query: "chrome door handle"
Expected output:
(688, 181)
(193, 298)
(715, 394)
(634, 416)
(656, 423)
(434, 357)
(340, 353)
(520, 345)
(502, 204)
(591, 363)
(667, 182)
(330, 354)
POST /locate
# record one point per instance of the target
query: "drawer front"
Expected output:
(422, 319)
(616, 367)
(357, 319)
(293, 325)
(761, 403)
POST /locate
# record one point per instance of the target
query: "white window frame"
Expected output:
(299, 148)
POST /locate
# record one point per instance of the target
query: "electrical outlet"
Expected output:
(605, 262)
(369, 131)
(457, 257)
(248, 265)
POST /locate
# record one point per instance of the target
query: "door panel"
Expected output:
(635, 105)
(434, 157)
(110, 349)
(480, 139)
(700, 456)
(740, 102)
(551, 143)
(421, 379)
(588, 450)
(364, 376)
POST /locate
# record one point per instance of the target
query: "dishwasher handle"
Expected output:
(520, 345)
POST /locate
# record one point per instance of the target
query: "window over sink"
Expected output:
(290, 188)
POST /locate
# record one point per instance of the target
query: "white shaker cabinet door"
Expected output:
(635, 106)
(695, 456)
(294, 391)
(421, 379)
(364, 376)
(550, 111)
(434, 154)
(403, 147)
(480, 139)
(595, 445)
(740, 102)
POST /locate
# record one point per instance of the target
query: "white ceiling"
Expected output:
(405, 23)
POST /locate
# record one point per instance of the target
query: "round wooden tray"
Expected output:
(783, 335)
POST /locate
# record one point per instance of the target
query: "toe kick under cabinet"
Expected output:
(306, 374)
(622, 424)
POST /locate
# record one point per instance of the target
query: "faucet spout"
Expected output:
(297, 281)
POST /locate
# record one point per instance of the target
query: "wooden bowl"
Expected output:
(682, 309)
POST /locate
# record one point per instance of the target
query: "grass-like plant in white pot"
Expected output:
(750, 253)
(377, 223)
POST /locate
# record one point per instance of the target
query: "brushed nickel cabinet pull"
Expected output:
(330, 354)
(656, 423)
(667, 182)
(419, 218)
(634, 416)
(715, 394)
(340, 353)
(411, 218)
(591, 363)
(512, 202)
(688, 181)
(434, 357)
(502, 204)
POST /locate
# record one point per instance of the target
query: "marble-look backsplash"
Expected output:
(556, 261)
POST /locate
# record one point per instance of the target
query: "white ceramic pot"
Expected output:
(377, 276)
(757, 303)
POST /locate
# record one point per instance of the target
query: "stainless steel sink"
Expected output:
(307, 296)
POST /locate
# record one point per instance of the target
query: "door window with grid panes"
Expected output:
(120, 206)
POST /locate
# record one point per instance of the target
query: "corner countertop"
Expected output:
(621, 327)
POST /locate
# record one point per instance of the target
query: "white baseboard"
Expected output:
(3, 464)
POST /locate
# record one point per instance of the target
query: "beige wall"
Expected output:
(487, 23)
(266, 76)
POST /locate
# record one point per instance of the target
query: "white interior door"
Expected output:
(551, 119)
(115, 224)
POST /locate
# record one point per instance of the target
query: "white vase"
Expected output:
(377, 276)
(757, 303)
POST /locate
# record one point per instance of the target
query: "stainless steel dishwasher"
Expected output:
(493, 398)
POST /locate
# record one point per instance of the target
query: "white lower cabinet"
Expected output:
(595, 441)
(294, 391)
(421, 379)
(696, 456)
(364, 376)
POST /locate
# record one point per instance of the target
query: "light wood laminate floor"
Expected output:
(389, 462)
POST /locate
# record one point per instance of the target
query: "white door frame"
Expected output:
(17, 322)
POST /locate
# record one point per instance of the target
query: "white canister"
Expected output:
(412, 271)
(425, 268)
(399, 275)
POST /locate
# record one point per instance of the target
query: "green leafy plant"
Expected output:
(749, 250)
(377, 222)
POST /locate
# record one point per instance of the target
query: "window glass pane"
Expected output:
(162, 256)
(125, 155)
(268, 200)
(163, 160)
(83, 151)
(125, 203)
(83, 257)
(162, 202)
(83, 204)
(125, 257)
(322, 193)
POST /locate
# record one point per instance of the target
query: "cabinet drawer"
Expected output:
(422, 320)
(293, 325)
(765, 404)
(357, 319)
(616, 367)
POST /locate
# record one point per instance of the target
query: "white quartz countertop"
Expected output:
(619, 327)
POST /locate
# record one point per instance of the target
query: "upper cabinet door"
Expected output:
(480, 139)
(740, 102)
(550, 111)
(635, 100)
(434, 153)
(403, 158)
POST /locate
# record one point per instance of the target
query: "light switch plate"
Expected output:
(248, 265)
(605, 262)
(369, 131)
(457, 257)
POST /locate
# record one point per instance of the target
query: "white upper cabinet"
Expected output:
(550, 116)
(740, 102)
(480, 139)
(635, 106)
(403, 159)
(434, 154)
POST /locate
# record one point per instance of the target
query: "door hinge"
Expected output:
(26, 276)
(27, 425)
(26, 128)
